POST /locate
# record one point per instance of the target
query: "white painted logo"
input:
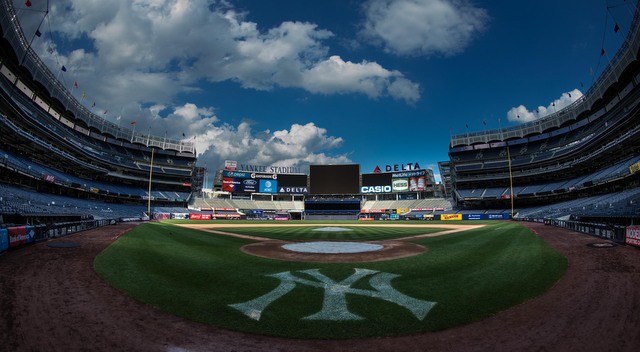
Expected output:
(334, 305)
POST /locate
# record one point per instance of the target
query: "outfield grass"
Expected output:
(198, 275)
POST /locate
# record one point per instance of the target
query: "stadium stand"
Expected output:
(577, 162)
(61, 162)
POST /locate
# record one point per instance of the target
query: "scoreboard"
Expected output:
(401, 181)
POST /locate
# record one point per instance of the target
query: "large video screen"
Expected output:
(378, 179)
(334, 179)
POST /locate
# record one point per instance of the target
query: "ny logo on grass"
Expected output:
(334, 305)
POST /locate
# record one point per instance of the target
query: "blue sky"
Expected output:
(293, 83)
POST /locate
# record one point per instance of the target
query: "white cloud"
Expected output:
(423, 27)
(299, 146)
(151, 50)
(338, 76)
(522, 114)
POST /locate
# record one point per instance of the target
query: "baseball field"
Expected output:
(402, 277)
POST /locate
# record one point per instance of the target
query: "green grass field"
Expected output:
(202, 276)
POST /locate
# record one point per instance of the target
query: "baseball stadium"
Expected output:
(110, 239)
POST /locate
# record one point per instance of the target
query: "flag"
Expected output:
(466, 125)
(616, 28)
(569, 95)
(118, 118)
(183, 134)
(75, 84)
(50, 50)
(484, 122)
(133, 122)
(581, 84)
(38, 33)
(105, 112)
(93, 105)
(27, 3)
(602, 52)
(83, 94)
(64, 69)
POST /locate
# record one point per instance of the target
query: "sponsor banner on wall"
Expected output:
(474, 216)
(407, 174)
(375, 189)
(226, 216)
(4, 240)
(200, 216)
(400, 185)
(230, 184)
(268, 186)
(49, 178)
(502, 216)
(230, 165)
(293, 190)
(373, 211)
(236, 174)
(450, 217)
(417, 184)
(249, 185)
(20, 235)
(402, 211)
(632, 237)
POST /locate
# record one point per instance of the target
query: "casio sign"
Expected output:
(375, 189)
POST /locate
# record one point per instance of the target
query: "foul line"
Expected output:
(210, 228)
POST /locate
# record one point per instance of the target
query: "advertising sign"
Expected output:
(474, 216)
(375, 189)
(200, 216)
(632, 237)
(450, 217)
(268, 186)
(502, 216)
(417, 184)
(4, 240)
(293, 190)
(400, 185)
(230, 184)
(249, 185)
(20, 235)
(236, 174)
(230, 164)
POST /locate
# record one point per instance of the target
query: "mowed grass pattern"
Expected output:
(342, 233)
(471, 275)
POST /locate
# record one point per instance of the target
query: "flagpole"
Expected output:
(133, 132)
(150, 174)
(506, 143)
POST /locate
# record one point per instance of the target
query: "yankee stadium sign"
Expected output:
(270, 169)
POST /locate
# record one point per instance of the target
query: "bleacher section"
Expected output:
(583, 153)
